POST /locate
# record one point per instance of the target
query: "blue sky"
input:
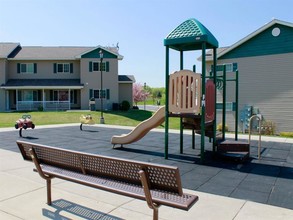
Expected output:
(139, 26)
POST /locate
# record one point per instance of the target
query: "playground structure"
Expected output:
(192, 96)
(23, 123)
(86, 119)
(201, 118)
(141, 129)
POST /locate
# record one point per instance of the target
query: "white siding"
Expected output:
(266, 82)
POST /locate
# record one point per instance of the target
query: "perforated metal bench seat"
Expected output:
(127, 189)
(157, 184)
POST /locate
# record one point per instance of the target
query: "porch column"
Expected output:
(16, 99)
(69, 103)
(43, 98)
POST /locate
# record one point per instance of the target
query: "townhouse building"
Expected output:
(61, 78)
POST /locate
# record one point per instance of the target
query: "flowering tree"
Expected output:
(139, 94)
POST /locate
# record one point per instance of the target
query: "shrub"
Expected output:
(219, 127)
(268, 128)
(286, 134)
(125, 106)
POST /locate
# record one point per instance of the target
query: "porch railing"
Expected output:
(43, 105)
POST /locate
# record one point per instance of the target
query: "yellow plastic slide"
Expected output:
(141, 129)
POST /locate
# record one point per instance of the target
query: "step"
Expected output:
(235, 156)
(232, 146)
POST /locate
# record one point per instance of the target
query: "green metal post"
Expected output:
(224, 103)
(203, 92)
(181, 126)
(167, 104)
(194, 68)
(181, 60)
(215, 82)
(236, 107)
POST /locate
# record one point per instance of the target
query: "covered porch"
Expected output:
(42, 95)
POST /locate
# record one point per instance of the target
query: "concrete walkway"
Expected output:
(224, 188)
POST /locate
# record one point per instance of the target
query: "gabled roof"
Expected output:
(126, 79)
(190, 35)
(50, 53)
(7, 48)
(111, 50)
(253, 34)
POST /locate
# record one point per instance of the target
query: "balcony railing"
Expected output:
(43, 105)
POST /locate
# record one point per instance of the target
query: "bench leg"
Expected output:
(49, 195)
(155, 212)
(148, 196)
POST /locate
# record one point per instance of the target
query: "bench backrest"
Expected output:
(160, 176)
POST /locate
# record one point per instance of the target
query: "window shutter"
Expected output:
(91, 66)
(55, 67)
(35, 68)
(19, 96)
(18, 67)
(90, 93)
(107, 66)
(71, 67)
(75, 96)
(108, 93)
(235, 67)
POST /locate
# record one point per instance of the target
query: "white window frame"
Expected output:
(229, 67)
(63, 67)
(99, 66)
(27, 66)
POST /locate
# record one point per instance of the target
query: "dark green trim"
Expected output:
(108, 94)
(71, 67)
(107, 66)
(35, 68)
(90, 66)
(95, 54)
(55, 68)
(90, 93)
(18, 67)
(264, 44)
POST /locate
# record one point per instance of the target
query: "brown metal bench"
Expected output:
(155, 183)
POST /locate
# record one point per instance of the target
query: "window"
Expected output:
(26, 68)
(105, 93)
(63, 68)
(230, 106)
(60, 95)
(73, 96)
(28, 95)
(98, 66)
(229, 67)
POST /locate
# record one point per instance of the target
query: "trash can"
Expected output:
(92, 104)
(115, 106)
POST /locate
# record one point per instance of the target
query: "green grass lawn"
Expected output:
(128, 118)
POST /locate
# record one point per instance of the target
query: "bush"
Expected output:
(125, 106)
(219, 127)
(286, 134)
(268, 128)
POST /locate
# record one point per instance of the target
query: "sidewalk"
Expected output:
(23, 192)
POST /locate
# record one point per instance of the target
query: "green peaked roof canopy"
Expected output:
(189, 36)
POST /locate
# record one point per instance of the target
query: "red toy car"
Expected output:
(24, 123)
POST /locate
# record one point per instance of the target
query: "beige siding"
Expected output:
(44, 70)
(3, 77)
(266, 83)
(125, 93)
(92, 80)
